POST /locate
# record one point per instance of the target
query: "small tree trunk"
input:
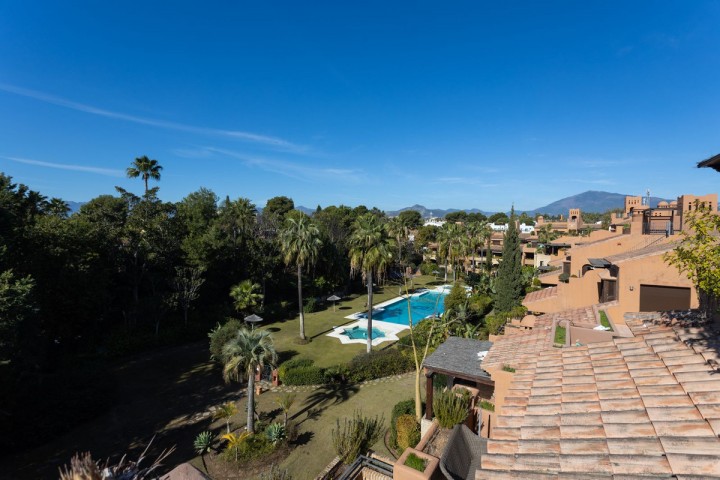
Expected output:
(251, 401)
(300, 302)
(370, 309)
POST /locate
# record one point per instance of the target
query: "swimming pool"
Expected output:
(421, 306)
(358, 332)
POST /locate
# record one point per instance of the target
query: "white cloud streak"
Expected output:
(294, 170)
(109, 172)
(274, 142)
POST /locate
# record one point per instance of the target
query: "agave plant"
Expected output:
(276, 433)
(202, 445)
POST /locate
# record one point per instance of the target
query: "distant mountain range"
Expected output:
(590, 201)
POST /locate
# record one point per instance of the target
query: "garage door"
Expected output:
(654, 298)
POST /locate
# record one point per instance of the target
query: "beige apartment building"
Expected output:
(627, 266)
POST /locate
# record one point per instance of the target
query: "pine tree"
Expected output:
(509, 280)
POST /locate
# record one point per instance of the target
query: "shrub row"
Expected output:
(361, 368)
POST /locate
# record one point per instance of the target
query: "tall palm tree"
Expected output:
(486, 236)
(300, 244)
(250, 350)
(449, 245)
(474, 240)
(370, 252)
(145, 168)
(397, 230)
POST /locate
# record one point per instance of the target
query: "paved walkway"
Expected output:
(267, 386)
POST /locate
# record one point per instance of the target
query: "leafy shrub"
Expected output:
(276, 433)
(427, 268)
(485, 405)
(336, 374)
(369, 366)
(449, 408)
(311, 305)
(456, 298)
(415, 462)
(311, 375)
(480, 304)
(406, 407)
(291, 364)
(564, 277)
(496, 321)
(508, 368)
(408, 431)
(356, 436)
(222, 334)
(560, 335)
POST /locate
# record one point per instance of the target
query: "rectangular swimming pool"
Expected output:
(421, 306)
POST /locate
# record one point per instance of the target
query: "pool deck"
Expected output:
(389, 329)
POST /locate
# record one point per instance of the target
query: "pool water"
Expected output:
(421, 306)
(357, 333)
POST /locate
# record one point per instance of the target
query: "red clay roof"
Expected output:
(644, 406)
(540, 295)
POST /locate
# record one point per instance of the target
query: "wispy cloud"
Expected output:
(465, 181)
(294, 170)
(269, 141)
(109, 172)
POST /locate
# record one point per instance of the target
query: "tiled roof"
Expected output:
(459, 355)
(633, 407)
(642, 252)
(542, 294)
(507, 349)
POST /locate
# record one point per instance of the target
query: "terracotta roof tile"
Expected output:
(647, 407)
(640, 465)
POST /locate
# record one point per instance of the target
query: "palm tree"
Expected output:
(145, 168)
(300, 244)
(369, 252)
(245, 296)
(285, 401)
(243, 355)
(449, 245)
(226, 412)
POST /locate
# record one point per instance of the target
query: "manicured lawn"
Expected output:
(328, 351)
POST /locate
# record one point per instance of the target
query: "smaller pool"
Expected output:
(357, 333)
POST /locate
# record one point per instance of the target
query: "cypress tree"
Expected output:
(508, 286)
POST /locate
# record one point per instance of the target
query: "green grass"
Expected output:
(328, 351)
(560, 335)
(413, 461)
(604, 321)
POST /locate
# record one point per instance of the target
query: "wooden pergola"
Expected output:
(458, 358)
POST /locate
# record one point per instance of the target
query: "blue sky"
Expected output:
(446, 104)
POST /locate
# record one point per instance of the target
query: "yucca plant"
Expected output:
(83, 467)
(276, 433)
(202, 445)
(226, 411)
(235, 440)
(356, 436)
(450, 409)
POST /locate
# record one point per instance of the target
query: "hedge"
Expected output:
(311, 375)
(369, 366)
(406, 407)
